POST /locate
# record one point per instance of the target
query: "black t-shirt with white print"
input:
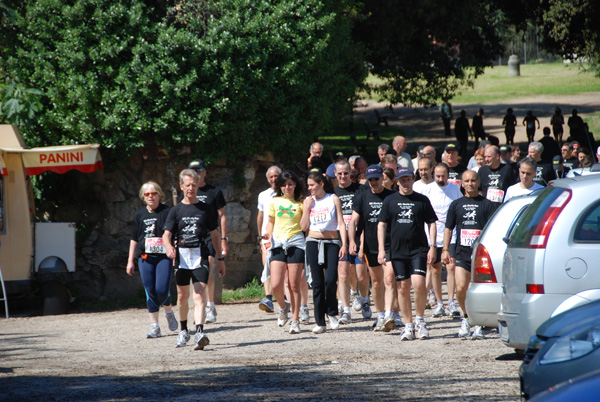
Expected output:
(495, 182)
(406, 216)
(346, 196)
(469, 215)
(191, 224)
(368, 206)
(148, 225)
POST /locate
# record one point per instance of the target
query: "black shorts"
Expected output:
(211, 249)
(404, 268)
(183, 276)
(294, 255)
(438, 255)
(464, 264)
(372, 260)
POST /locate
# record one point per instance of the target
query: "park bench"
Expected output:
(380, 118)
(372, 132)
(360, 147)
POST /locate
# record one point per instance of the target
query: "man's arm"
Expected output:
(381, 229)
(214, 235)
(171, 252)
(223, 224)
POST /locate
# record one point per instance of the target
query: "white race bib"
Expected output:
(154, 245)
(189, 258)
(495, 195)
(468, 236)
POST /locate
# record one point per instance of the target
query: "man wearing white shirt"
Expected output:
(441, 193)
(527, 170)
(425, 171)
(399, 145)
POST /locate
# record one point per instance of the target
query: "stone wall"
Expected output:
(103, 204)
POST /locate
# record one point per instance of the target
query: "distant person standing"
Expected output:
(509, 122)
(529, 122)
(447, 116)
(477, 126)
(462, 129)
(557, 122)
(576, 129)
(551, 147)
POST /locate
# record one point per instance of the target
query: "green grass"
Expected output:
(252, 291)
(535, 80)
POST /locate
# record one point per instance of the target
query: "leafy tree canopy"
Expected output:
(226, 77)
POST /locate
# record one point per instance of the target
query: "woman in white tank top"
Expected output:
(323, 220)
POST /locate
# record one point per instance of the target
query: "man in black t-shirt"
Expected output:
(190, 223)
(350, 269)
(468, 215)
(496, 177)
(403, 217)
(212, 196)
(365, 210)
(544, 172)
(455, 169)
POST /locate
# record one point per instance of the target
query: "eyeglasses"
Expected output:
(153, 194)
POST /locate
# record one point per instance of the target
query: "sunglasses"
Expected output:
(153, 194)
(375, 179)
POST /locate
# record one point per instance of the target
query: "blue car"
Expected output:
(564, 347)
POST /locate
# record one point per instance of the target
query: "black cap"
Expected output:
(505, 149)
(339, 155)
(197, 165)
(557, 161)
(451, 147)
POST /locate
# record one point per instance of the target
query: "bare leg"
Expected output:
(377, 287)
(303, 289)
(363, 279)
(450, 281)
(183, 294)
(436, 279)
(388, 280)
(294, 272)
(278, 277)
(153, 317)
(404, 300)
(418, 282)
(210, 286)
(463, 277)
(344, 269)
(199, 302)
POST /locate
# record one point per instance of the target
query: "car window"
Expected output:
(588, 228)
(525, 227)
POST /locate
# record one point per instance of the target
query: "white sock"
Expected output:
(347, 309)
(420, 319)
(450, 301)
(210, 304)
(380, 314)
(388, 314)
(353, 293)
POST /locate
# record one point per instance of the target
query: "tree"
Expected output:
(227, 77)
(426, 50)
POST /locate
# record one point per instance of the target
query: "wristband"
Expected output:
(225, 238)
(445, 249)
(221, 258)
(433, 245)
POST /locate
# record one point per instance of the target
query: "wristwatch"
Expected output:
(225, 238)
(433, 245)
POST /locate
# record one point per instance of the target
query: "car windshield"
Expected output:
(525, 227)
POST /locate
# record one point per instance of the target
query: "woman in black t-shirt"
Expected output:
(146, 244)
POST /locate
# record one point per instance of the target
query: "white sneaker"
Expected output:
(407, 333)
(318, 329)
(477, 333)
(366, 310)
(182, 338)
(439, 310)
(356, 304)
(465, 328)
(333, 322)
(294, 328)
(451, 310)
(201, 341)
(154, 331)
(304, 315)
(422, 331)
(346, 318)
(430, 300)
(211, 315)
(283, 315)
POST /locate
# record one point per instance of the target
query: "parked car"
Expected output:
(483, 297)
(551, 258)
(564, 347)
(580, 389)
(594, 169)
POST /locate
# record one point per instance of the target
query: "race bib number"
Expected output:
(318, 215)
(189, 258)
(347, 219)
(456, 182)
(154, 245)
(468, 236)
(495, 195)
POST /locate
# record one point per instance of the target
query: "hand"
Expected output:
(266, 236)
(352, 249)
(171, 252)
(431, 255)
(308, 202)
(130, 268)
(381, 258)
(343, 252)
(446, 257)
(222, 269)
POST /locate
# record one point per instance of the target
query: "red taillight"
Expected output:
(483, 267)
(537, 289)
(539, 239)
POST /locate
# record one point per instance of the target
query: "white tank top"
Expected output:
(322, 215)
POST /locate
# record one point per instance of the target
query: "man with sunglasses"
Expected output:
(365, 211)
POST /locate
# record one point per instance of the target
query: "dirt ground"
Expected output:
(106, 357)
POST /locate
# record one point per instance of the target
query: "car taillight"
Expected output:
(536, 289)
(483, 267)
(539, 239)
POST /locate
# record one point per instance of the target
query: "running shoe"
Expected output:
(452, 311)
(294, 327)
(465, 328)
(356, 304)
(430, 301)
(172, 321)
(397, 319)
(211, 315)
(422, 331)
(182, 338)
(283, 315)
(201, 341)
(407, 333)
(439, 310)
(304, 315)
(379, 325)
(345, 318)
(154, 331)
(389, 324)
(333, 322)
(477, 333)
(266, 305)
(366, 310)
(318, 329)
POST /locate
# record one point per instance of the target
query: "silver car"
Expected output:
(483, 297)
(551, 262)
